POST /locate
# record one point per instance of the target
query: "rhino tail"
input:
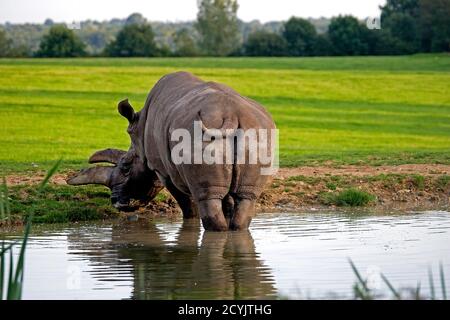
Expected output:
(228, 128)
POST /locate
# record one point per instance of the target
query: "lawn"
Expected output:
(369, 110)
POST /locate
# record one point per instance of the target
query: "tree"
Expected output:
(5, 44)
(404, 29)
(217, 25)
(266, 44)
(347, 36)
(322, 46)
(400, 21)
(434, 25)
(185, 44)
(60, 42)
(406, 7)
(135, 18)
(134, 40)
(300, 35)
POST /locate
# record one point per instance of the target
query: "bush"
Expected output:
(266, 44)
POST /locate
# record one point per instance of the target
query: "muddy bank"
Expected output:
(386, 188)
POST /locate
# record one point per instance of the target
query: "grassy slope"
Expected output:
(348, 110)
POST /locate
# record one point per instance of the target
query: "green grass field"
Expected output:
(371, 110)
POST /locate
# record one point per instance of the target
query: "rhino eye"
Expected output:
(125, 168)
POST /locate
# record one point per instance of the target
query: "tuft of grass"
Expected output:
(347, 198)
(443, 181)
(161, 197)
(299, 194)
(418, 181)
(331, 186)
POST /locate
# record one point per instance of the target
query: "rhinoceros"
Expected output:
(223, 194)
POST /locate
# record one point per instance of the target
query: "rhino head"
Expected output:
(128, 177)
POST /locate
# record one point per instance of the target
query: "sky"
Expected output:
(36, 11)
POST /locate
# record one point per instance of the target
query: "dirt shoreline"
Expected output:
(410, 187)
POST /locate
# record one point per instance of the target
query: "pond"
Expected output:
(284, 255)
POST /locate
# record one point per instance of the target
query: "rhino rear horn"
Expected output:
(95, 175)
(108, 155)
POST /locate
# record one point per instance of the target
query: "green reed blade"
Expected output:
(391, 287)
(50, 173)
(444, 290)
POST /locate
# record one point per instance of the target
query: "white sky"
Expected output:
(19, 11)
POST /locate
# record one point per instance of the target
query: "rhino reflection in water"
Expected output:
(222, 192)
(209, 266)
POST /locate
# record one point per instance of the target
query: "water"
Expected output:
(283, 255)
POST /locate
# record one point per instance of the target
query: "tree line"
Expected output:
(407, 26)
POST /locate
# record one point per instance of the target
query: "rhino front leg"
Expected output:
(244, 211)
(212, 215)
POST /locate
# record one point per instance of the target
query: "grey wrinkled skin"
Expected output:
(224, 195)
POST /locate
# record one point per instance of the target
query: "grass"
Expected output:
(5, 209)
(347, 198)
(59, 204)
(347, 110)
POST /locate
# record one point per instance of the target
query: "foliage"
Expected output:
(347, 36)
(266, 44)
(134, 40)
(301, 36)
(322, 46)
(185, 44)
(407, 26)
(60, 42)
(5, 44)
(217, 25)
(434, 25)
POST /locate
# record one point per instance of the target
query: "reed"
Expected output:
(11, 280)
(362, 291)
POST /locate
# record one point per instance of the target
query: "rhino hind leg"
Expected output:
(244, 211)
(212, 215)
(184, 201)
(228, 207)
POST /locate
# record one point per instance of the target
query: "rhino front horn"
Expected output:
(108, 155)
(95, 175)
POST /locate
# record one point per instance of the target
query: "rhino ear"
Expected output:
(126, 110)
